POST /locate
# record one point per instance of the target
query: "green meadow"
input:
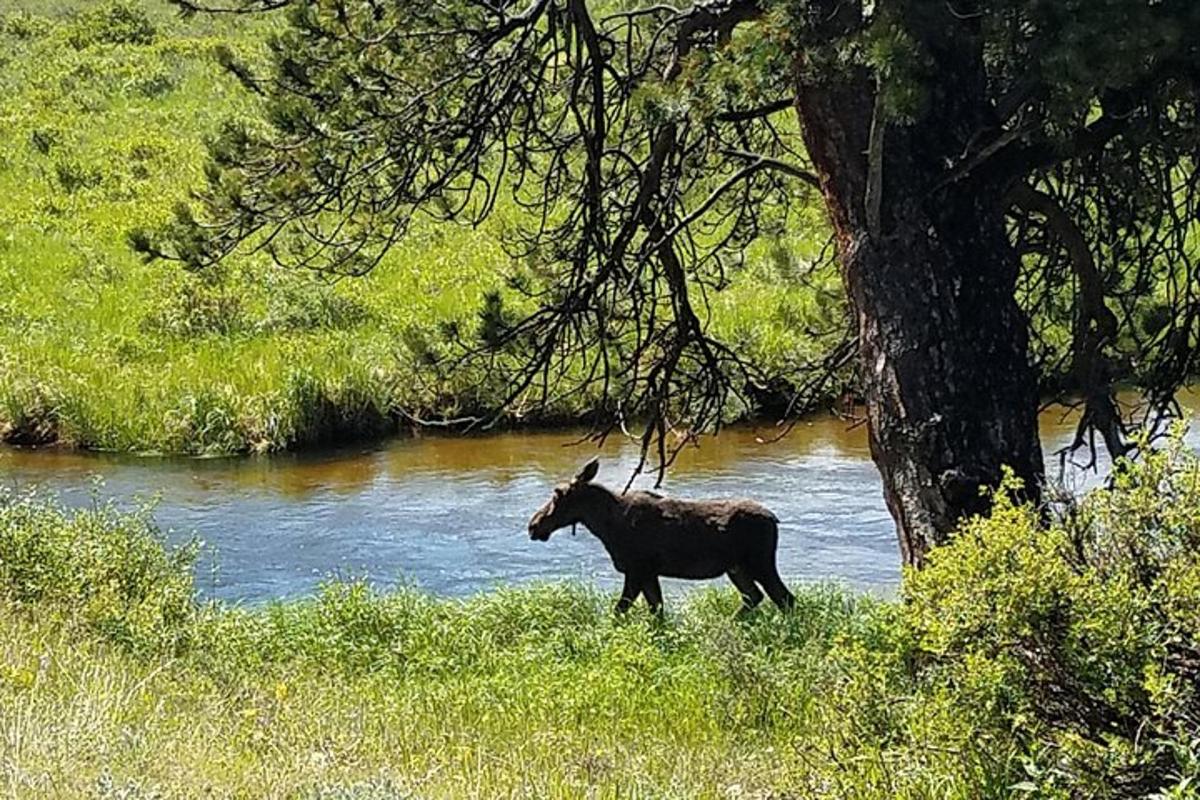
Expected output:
(105, 108)
(1043, 653)
(1023, 661)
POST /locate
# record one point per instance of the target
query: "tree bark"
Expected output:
(951, 396)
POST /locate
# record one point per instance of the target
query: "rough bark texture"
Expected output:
(951, 396)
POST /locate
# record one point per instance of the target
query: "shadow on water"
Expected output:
(448, 514)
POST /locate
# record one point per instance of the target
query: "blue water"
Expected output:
(449, 515)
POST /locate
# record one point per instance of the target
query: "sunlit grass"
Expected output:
(98, 349)
(533, 693)
(114, 682)
(117, 681)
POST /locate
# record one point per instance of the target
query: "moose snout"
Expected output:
(535, 532)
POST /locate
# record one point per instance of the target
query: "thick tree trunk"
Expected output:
(951, 396)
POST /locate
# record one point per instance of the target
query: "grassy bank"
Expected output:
(104, 110)
(1027, 662)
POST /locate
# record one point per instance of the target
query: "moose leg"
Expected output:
(652, 591)
(779, 593)
(633, 587)
(751, 594)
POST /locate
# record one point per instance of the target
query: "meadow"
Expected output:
(1023, 661)
(1037, 655)
(105, 108)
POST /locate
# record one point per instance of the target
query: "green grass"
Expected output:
(517, 694)
(1024, 661)
(102, 130)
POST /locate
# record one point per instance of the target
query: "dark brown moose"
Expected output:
(650, 536)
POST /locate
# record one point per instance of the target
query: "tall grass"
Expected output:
(1053, 662)
(104, 110)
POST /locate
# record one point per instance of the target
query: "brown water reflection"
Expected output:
(504, 456)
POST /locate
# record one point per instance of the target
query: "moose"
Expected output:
(649, 536)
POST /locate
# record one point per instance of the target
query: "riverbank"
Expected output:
(1052, 662)
(104, 111)
(448, 514)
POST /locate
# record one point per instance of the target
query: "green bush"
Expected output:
(112, 22)
(299, 302)
(74, 176)
(23, 25)
(1081, 639)
(189, 306)
(29, 414)
(108, 570)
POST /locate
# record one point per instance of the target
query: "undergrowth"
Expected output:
(1025, 660)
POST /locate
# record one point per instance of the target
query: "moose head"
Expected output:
(566, 505)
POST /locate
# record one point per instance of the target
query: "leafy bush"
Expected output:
(29, 414)
(189, 306)
(323, 412)
(112, 22)
(105, 569)
(1080, 639)
(23, 25)
(299, 302)
(43, 140)
(74, 175)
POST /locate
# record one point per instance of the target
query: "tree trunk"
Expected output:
(951, 395)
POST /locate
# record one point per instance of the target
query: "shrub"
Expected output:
(156, 84)
(29, 414)
(189, 306)
(44, 139)
(107, 570)
(324, 412)
(1080, 639)
(297, 302)
(74, 175)
(113, 22)
(23, 25)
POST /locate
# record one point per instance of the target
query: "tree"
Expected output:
(994, 172)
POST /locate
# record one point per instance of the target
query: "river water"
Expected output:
(448, 515)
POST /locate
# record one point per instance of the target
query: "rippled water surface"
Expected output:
(449, 514)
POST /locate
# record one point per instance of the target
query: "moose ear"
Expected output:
(589, 471)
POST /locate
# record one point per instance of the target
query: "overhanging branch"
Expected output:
(1095, 327)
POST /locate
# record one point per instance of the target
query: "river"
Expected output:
(448, 514)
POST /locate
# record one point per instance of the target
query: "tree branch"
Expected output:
(244, 7)
(1042, 155)
(1095, 328)
(776, 164)
(745, 115)
(873, 201)
(720, 17)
